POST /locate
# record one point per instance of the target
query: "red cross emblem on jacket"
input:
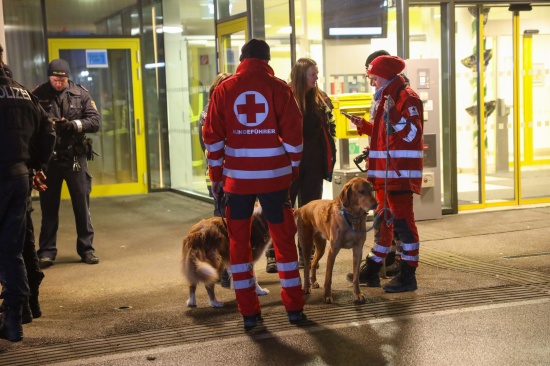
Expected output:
(251, 108)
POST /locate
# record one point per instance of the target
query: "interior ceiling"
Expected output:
(84, 14)
(81, 13)
(89, 12)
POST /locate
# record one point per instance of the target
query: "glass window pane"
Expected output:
(535, 94)
(228, 8)
(499, 100)
(25, 49)
(154, 96)
(86, 17)
(277, 35)
(110, 88)
(191, 66)
(467, 133)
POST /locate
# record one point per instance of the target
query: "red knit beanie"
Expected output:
(386, 66)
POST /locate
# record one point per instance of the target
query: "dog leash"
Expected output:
(387, 211)
(220, 200)
(346, 217)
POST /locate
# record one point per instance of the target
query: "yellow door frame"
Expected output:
(227, 28)
(132, 44)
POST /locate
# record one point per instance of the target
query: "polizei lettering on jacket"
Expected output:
(12, 92)
(255, 131)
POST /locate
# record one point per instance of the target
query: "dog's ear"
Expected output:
(345, 195)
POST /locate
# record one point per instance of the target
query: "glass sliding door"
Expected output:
(115, 86)
(232, 35)
(503, 152)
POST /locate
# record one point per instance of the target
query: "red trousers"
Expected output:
(398, 216)
(282, 227)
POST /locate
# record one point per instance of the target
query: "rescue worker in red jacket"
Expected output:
(253, 137)
(394, 168)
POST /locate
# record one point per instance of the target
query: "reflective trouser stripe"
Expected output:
(291, 282)
(244, 284)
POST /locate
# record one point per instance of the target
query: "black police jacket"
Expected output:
(27, 136)
(74, 103)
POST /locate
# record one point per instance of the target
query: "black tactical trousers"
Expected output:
(79, 183)
(13, 207)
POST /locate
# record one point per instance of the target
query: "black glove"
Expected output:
(69, 126)
(217, 189)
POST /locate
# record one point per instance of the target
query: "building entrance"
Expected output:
(503, 156)
(110, 69)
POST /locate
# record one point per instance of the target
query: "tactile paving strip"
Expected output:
(325, 315)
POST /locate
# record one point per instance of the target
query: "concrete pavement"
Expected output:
(482, 299)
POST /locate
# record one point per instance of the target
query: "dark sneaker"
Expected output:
(368, 274)
(271, 266)
(225, 280)
(252, 321)
(295, 317)
(90, 258)
(45, 262)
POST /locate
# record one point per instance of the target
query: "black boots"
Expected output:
(252, 321)
(404, 281)
(11, 327)
(225, 280)
(26, 314)
(29, 309)
(368, 273)
(271, 266)
(393, 269)
(34, 304)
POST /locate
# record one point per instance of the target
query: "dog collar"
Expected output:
(348, 217)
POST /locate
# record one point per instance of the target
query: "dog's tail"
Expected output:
(194, 265)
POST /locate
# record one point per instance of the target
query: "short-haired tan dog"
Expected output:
(341, 221)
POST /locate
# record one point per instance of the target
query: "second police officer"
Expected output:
(76, 114)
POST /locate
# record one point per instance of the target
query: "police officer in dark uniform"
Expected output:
(75, 113)
(27, 140)
(34, 273)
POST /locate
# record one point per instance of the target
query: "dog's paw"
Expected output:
(315, 285)
(359, 300)
(329, 300)
(215, 303)
(191, 304)
(261, 291)
(307, 290)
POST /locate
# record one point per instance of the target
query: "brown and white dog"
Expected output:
(205, 254)
(342, 221)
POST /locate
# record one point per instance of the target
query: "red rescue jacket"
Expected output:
(406, 145)
(253, 131)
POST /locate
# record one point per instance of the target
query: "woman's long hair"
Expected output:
(298, 81)
(219, 78)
